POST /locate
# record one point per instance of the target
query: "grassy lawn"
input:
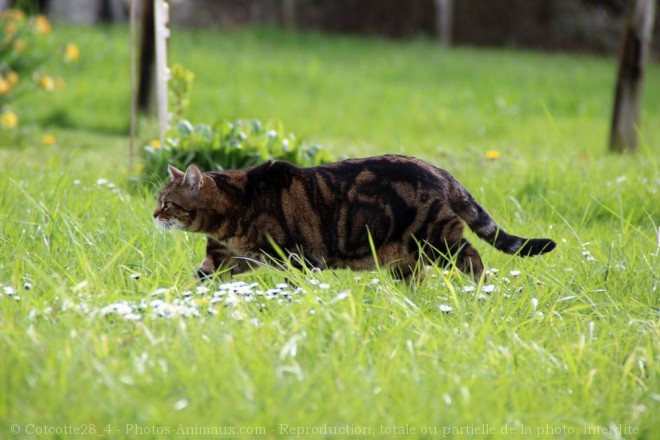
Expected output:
(104, 329)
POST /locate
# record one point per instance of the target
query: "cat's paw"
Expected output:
(204, 275)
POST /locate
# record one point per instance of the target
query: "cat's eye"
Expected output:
(170, 205)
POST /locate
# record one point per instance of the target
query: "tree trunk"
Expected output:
(628, 94)
(444, 20)
(147, 59)
(134, 79)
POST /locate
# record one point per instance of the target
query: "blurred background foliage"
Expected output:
(567, 25)
(348, 90)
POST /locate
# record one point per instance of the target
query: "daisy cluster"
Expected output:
(10, 292)
(484, 291)
(202, 301)
(208, 300)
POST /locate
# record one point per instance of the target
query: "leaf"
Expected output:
(230, 145)
(185, 128)
(257, 128)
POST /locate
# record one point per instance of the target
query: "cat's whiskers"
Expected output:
(168, 224)
(159, 223)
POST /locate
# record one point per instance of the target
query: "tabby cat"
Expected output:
(410, 210)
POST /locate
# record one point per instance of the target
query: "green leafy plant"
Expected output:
(228, 145)
(223, 145)
(180, 88)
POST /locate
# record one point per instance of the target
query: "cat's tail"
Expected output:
(485, 227)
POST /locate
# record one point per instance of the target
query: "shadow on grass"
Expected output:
(62, 119)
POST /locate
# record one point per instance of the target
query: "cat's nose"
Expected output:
(156, 212)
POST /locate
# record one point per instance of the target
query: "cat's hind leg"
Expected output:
(469, 261)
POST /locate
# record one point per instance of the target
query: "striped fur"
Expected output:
(413, 211)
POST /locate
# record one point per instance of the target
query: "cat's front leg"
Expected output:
(218, 257)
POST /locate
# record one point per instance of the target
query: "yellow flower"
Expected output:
(48, 139)
(19, 45)
(60, 84)
(71, 53)
(451, 273)
(11, 29)
(41, 24)
(155, 144)
(5, 86)
(12, 78)
(493, 154)
(9, 119)
(46, 82)
(138, 167)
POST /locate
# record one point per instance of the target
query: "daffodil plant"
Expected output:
(26, 47)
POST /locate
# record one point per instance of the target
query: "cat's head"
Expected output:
(183, 201)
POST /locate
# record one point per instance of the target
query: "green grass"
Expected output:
(570, 347)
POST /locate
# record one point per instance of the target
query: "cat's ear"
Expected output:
(175, 173)
(193, 177)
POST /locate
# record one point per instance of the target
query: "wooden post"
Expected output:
(628, 93)
(443, 21)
